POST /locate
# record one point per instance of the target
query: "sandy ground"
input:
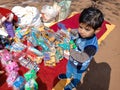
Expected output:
(103, 73)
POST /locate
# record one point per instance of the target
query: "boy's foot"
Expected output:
(62, 76)
(70, 86)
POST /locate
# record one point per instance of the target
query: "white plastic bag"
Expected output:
(3, 32)
(49, 13)
(27, 16)
(65, 9)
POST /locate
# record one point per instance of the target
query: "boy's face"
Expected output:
(85, 31)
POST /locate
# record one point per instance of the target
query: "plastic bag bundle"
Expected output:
(49, 13)
(65, 9)
(27, 16)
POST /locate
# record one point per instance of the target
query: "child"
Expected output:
(90, 21)
(8, 19)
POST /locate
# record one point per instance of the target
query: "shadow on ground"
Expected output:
(97, 77)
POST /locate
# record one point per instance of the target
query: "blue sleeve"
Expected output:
(90, 50)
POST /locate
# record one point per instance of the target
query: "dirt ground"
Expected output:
(103, 73)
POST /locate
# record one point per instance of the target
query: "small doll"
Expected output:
(8, 19)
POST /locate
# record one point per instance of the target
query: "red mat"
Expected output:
(47, 76)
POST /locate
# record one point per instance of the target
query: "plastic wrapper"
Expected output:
(20, 32)
(48, 13)
(65, 46)
(46, 56)
(26, 62)
(52, 61)
(59, 54)
(11, 78)
(3, 32)
(38, 60)
(27, 16)
(33, 38)
(31, 85)
(31, 74)
(6, 57)
(12, 66)
(72, 44)
(19, 83)
(33, 65)
(65, 9)
(62, 34)
(34, 50)
(4, 41)
(17, 47)
(66, 54)
(31, 55)
(43, 45)
(74, 34)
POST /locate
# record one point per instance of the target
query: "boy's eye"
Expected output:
(87, 29)
(80, 27)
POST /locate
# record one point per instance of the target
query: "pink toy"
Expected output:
(6, 56)
(11, 78)
(12, 66)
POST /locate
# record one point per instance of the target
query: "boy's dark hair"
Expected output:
(92, 16)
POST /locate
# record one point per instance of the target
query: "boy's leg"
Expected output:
(74, 82)
(68, 73)
(76, 79)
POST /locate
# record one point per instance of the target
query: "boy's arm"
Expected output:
(85, 55)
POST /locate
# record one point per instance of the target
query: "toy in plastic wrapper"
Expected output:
(38, 60)
(66, 54)
(72, 44)
(59, 54)
(36, 51)
(31, 85)
(46, 56)
(6, 57)
(17, 47)
(51, 62)
(12, 66)
(26, 62)
(11, 78)
(19, 83)
(31, 74)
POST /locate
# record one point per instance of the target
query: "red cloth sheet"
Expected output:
(47, 76)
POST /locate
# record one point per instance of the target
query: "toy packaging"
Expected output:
(19, 83)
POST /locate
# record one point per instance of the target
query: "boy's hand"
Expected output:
(79, 56)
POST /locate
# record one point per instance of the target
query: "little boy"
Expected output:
(90, 21)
